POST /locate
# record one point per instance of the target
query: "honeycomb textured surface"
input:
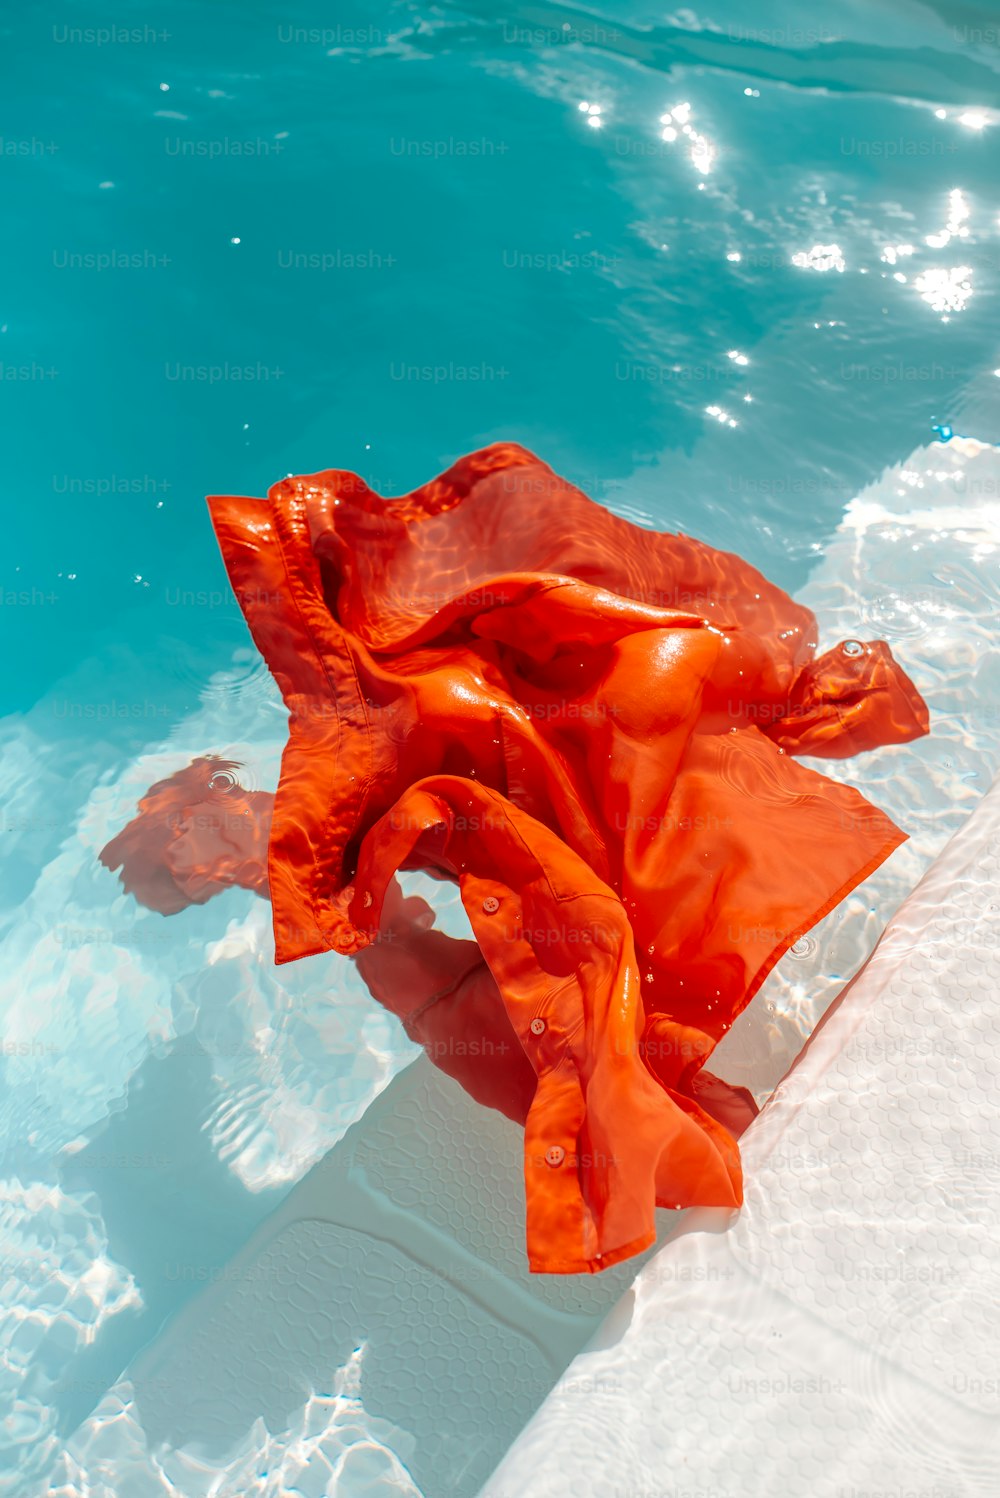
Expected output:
(382, 1314)
(841, 1333)
(461, 1168)
(315, 1294)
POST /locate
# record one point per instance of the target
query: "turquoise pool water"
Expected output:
(720, 274)
(436, 248)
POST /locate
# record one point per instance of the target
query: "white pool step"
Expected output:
(841, 1334)
(407, 1240)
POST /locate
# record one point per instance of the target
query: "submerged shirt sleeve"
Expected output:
(854, 697)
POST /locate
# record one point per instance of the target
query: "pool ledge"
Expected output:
(841, 1332)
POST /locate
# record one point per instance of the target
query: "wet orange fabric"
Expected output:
(588, 726)
(197, 832)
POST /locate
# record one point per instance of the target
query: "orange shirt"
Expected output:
(587, 726)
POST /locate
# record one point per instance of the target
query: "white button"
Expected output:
(555, 1154)
(491, 904)
(537, 1027)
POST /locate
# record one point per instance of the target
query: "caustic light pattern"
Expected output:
(590, 728)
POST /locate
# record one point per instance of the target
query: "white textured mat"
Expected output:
(377, 1318)
(840, 1336)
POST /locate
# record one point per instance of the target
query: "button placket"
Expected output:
(560, 1227)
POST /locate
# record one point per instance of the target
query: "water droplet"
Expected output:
(223, 780)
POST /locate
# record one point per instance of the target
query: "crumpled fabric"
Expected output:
(195, 833)
(589, 727)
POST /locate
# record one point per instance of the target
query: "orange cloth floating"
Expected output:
(587, 726)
